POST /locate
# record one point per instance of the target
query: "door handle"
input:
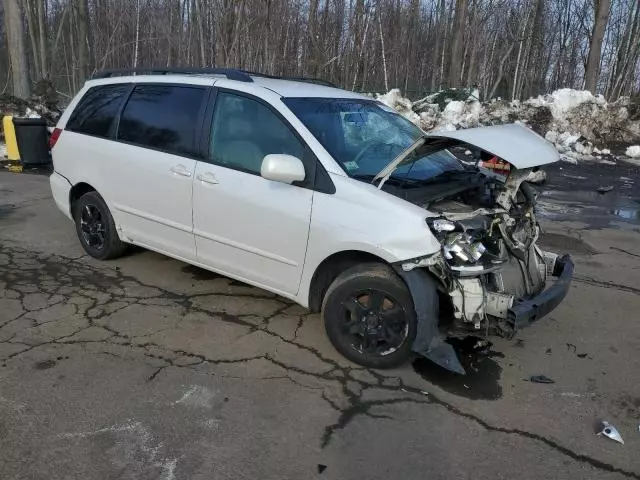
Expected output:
(207, 178)
(181, 170)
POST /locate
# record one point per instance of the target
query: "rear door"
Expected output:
(150, 166)
(244, 225)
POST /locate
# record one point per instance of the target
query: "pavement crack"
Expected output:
(598, 283)
(622, 250)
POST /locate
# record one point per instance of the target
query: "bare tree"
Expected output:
(456, 43)
(601, 9)
(14, 25)
(510, 48)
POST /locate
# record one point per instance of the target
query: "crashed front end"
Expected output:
(490, 268)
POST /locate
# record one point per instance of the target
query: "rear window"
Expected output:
(98, 109)
(164, 117)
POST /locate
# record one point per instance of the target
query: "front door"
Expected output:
(246, 226)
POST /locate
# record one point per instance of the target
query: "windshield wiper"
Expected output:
(450, 175)
(399, 181)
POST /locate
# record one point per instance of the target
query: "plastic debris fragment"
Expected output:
(611, 432)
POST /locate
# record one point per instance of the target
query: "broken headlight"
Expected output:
(461, 247)
(441, 225)
(458, 246)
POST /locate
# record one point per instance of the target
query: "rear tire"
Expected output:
(369, 316)
(96, 229)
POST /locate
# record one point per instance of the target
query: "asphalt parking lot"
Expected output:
(148, 368)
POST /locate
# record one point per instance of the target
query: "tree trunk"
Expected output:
(17, 51)
(42, 30)
(440, 34)
(456, 44)
(83, 41)
(601, 10)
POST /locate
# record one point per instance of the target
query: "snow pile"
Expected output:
(633, 151)
(575, 121)
(3, 151)
(402, 105)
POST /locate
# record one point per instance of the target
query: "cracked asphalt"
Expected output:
(148, 368)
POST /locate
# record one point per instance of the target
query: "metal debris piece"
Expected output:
(540, 379)
(611, 432)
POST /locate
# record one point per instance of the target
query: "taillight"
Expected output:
(53, 139)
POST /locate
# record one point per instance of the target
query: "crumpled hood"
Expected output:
(516, 144)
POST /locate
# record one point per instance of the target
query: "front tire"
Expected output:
(369, 316)
(96, 229)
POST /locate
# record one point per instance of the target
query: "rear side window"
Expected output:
(163, 117)
(97, 110)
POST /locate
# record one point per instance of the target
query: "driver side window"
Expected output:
(244, 131)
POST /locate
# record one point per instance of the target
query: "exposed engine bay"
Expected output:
(489, 258)
(489, 269)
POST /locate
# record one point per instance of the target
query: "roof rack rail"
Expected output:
(317, 81)
(230, 73)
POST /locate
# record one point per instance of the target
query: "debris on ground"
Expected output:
(540, 379)
(321, 468)
(604, 189)
(611, 432)
(580, 125)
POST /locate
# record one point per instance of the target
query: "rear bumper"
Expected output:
(526, 312)
(60, 188)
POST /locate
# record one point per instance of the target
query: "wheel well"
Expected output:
(77, 191)
(330, 268)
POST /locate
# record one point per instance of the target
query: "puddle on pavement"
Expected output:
(198, 273)
(201, 274)
(565, 243)
(570, 194)
(483, 373)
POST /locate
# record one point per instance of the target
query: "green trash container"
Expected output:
(33, 141)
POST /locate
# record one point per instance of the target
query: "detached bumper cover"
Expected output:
(526, 312)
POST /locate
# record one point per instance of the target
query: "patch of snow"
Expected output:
(633, 151)
(568, 159)
(607, 162)
(196, 396)
(583, 148)
(31, 113)
(605, 151)
(537, 177)
(3, 151)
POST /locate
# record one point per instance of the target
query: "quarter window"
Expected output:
(98, 109)
(163, 117)
(244, 131)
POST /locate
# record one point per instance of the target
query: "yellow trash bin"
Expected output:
(10, 138)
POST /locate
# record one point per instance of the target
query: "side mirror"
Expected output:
(283, 168)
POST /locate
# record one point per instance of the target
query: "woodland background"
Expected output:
(513, 49)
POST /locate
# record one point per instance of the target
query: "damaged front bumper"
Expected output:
(525, 312)
(517, 314)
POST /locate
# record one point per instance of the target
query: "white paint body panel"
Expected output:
(252, 228)
(517, 144)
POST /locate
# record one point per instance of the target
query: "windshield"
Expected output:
(364, 136)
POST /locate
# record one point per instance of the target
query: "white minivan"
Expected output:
(318, 194)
